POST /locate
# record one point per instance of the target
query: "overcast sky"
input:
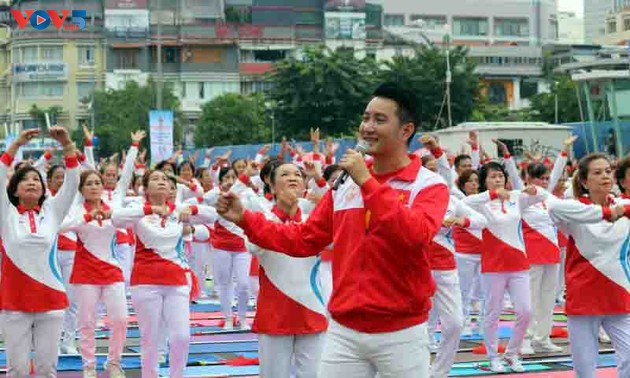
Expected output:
(576, 6)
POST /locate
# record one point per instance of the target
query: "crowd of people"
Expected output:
(354, 264)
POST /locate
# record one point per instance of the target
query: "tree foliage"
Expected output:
(39, 115)
(425, 74)
(233, 119)
(117, 113)
(543, 105)
(323, 88)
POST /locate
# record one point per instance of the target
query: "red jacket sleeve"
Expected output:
(393, 220)
(294, 239)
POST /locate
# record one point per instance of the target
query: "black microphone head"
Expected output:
(362, 147)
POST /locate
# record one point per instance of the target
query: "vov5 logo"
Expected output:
(41, 19)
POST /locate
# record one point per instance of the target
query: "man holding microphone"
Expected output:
(381, 222)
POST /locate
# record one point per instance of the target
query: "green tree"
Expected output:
(117, 113)
(324, 88)
(425, 74)
(543, 105)
(39, 115)
(233, 119)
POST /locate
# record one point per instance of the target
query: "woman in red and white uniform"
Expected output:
(597, 267)
(114, 193)
(542, 248)
(32, 289)
(97, 275)
(230, 257)
(504, 264)
(290, 311)
(161, 279)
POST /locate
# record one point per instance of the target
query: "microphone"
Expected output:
(361, 147)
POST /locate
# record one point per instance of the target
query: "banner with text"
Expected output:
(161, 135)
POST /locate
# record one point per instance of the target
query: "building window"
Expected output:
(84, 90)
(30, 55)
(511, 27)
(394, 20)
(52, 54)
(126, 58)
(31, 90)
(476, 27)
(86, 56)
(626, 24)
(430, 22)
(612, 26)
(529, 88)
(202, 91)
(497, 93)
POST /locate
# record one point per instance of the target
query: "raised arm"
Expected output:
(61, 203)
(5, 165)
(294, 239)
(561, 163)
(127, 172)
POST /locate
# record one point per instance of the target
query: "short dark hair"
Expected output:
(459, 158)
(18, 177)
(465, 177)
(485, 170)
(224, 171)
(186, 163)
(537, 170)
(406, 101)
(620, 173)
(52, 169)
(84, 176)
(160, 166)
(328, 171)
(266, 170)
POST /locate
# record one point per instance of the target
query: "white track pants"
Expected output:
(278, 352)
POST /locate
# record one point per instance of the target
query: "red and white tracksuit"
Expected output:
(380, 303)
(32, 291)
(597, 281)
(161, 282)
(504, 264)
(97, 277)
(290, 312)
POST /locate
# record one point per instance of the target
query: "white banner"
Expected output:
(161, 135)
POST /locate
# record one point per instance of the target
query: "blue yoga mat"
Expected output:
(502, 332)
(75, 363)
(238, 347)
(603, 361)
(216, 370)
(474, 371)
(134, 333)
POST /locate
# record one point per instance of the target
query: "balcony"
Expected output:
(127, 33)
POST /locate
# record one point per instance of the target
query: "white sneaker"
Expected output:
(244, 325)
(434, 345)
(496, 365)
(546, 347)
(114, 370)
(526, 348)
(603, 337)
(89, 373)
(229, 324)
(515, 363)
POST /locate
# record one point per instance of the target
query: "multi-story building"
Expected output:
(617, 26)
(595, 16)
(504, 38)
(570, 28)
(53, 67)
